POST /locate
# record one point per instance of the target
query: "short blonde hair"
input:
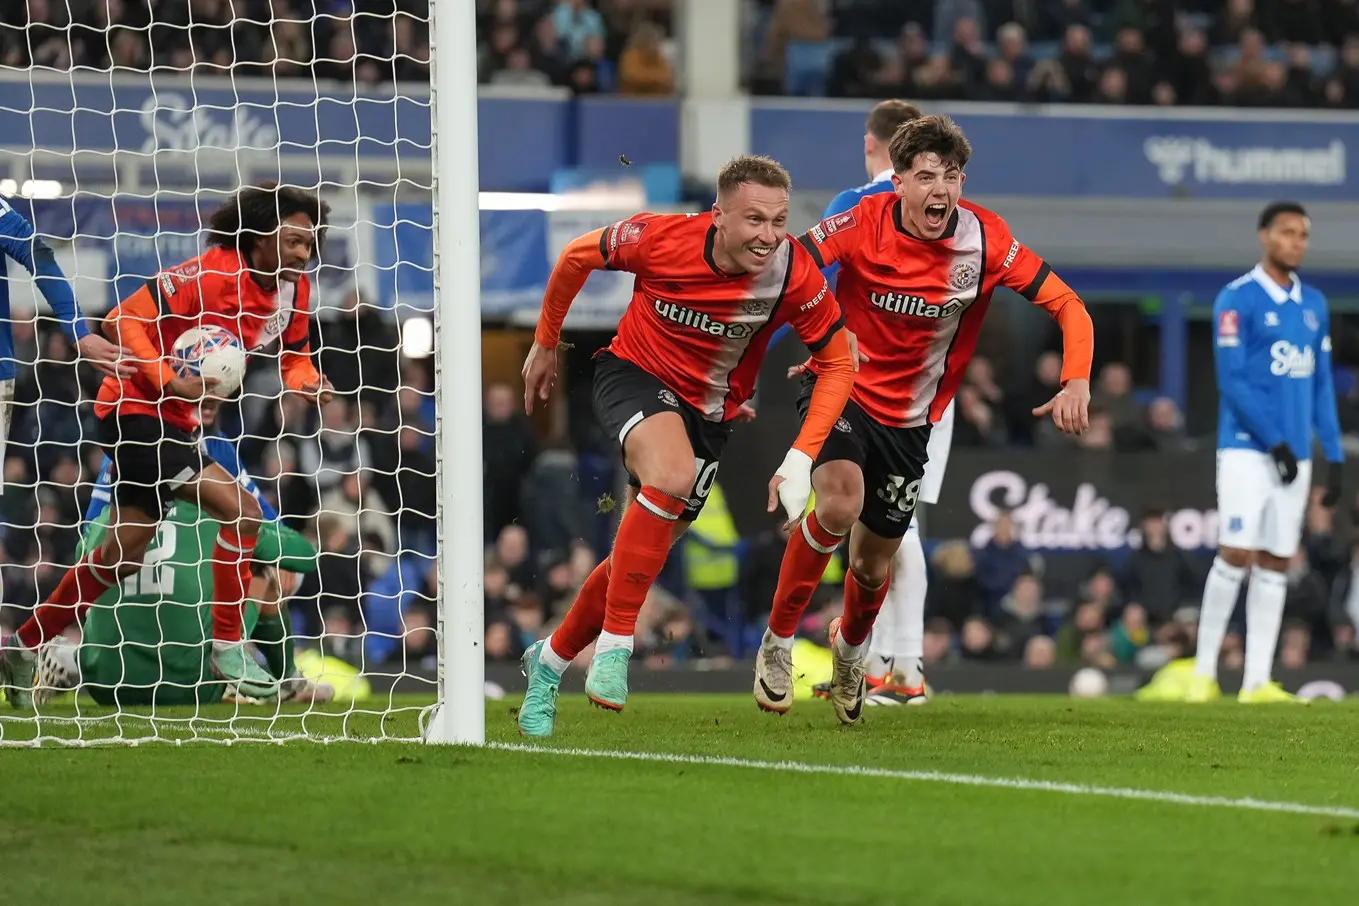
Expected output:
(753, 168)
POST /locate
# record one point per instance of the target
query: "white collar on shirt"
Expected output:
(883, 176)
(1275, 291)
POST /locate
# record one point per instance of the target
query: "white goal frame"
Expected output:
(459, 717)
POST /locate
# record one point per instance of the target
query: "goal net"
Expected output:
(122, 136)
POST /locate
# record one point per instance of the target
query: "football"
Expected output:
(212, 353)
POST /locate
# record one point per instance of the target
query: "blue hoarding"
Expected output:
(1072, 152)
(523, 140)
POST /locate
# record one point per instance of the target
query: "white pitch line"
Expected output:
(1008, 783)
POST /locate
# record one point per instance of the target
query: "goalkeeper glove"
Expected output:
(1335, 475)
(796, 488)
(1285, 462)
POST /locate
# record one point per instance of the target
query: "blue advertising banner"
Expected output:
(523, 140)
(1072, 152)
(518, 249)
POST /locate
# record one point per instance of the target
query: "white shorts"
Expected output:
(1256, 511)
(941, 439)
(6, 417)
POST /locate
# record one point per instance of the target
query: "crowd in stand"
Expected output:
(367, 42)
(609, 46)
(1274, 53)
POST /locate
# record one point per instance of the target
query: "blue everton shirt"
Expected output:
(1273, 357)
(18, 241)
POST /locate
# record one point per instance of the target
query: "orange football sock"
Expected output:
(639, 553)
(809, 549)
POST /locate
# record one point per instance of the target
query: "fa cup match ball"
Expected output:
(212, 353)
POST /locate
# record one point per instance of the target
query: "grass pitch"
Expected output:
(401, 823)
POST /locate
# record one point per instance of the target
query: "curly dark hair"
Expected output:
(257, 211)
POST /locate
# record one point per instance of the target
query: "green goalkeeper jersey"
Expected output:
(153, 646)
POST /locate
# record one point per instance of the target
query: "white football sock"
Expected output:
(910, 581)
(848, 651)
(548, 656)
(608, 642)
(1264, 614)
(771, 639)
(1219, 600)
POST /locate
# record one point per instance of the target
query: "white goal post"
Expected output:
(117, 147)
(460, 716)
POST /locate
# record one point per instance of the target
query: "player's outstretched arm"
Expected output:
(1070, 408)
(1326, 417)
(582, 256)
(19, 242)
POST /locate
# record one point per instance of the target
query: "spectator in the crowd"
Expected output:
(1000, 562)
(1043, 386)
(1188, 72)
(549, 52)
(1158, 575)
(1099, 437)
(557, 586)
(759, 576)
(643, 68)
(953, 591)
(1136, 63)
(1012, 49)
(359, 349)
(1040, 653)
(1308, 603)
(981, 376)
(1326, 551)
(512, 552)
(975, 422)
(1295, 643)
(576, 23)
(793, 20)
(1084, 639)
(1000, 83)
(1078, 64)
(967, 57)
(1114, 394)
(553, 511)
(977, 640)
(420, 643)
(1129, 634)
(938, 647)
(502, 641)
(1111, 87)
(1235, 18)
(510, 448)
(496, 589)
(1165, 428)
(1020, 616)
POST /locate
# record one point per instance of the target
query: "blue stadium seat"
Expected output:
(806, 66)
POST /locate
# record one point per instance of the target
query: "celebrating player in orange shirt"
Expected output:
(252, 282)
(711, 289)
(917, 270)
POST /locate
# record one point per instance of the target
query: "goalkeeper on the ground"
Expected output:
(154, 647)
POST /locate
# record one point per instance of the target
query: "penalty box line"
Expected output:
(977, 780)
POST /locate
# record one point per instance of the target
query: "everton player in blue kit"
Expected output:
(18, 241)
(1273, 353)
(896, 648)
